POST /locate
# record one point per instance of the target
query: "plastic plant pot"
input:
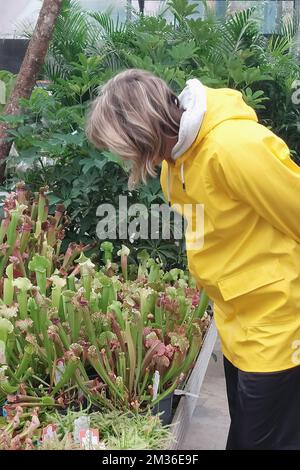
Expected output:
(165, 407)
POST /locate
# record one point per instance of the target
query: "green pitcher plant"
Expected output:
(72, 332)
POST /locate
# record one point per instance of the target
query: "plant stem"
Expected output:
(63, 336)
(25, 362)
(22, 301)
(132, 356)
(34, 315)
(41, 279)
(89, 325)
(8, 291)
(71, 283)
(145, 380)
(139, 348)
(44, 323)
(201, 308)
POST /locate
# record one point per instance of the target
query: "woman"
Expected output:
(214, 152)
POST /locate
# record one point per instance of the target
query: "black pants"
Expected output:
(264, 409)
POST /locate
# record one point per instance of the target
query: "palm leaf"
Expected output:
(70, 38)
(109, 37)
(239, 30)
(287, 40)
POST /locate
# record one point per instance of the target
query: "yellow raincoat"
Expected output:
(249, 264)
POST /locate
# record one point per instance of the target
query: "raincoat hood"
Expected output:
(193, 100)
(204, 109)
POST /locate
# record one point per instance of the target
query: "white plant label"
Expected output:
(60, 368)
(49, 432)
(156, 380)
(80, 424)
(89, 439)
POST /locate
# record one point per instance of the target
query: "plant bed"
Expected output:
(76, 335)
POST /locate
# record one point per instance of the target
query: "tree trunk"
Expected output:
(31, 65)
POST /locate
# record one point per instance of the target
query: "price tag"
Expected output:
(89, 439)
(80, 424)
(49, 432)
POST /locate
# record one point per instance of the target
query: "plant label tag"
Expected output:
(89, 439)
(60, 368)
(49, 432)
(156, 380)
(80, 424)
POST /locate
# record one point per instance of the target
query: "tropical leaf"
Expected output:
(182, 9)
(184, 51)
(70, 37)
(239, 31)
(109, 37)
(287, 40)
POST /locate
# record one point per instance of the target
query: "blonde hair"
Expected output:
(133, 114)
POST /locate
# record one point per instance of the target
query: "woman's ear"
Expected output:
(175, 100)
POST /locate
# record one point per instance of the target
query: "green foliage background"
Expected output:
(89, 48)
